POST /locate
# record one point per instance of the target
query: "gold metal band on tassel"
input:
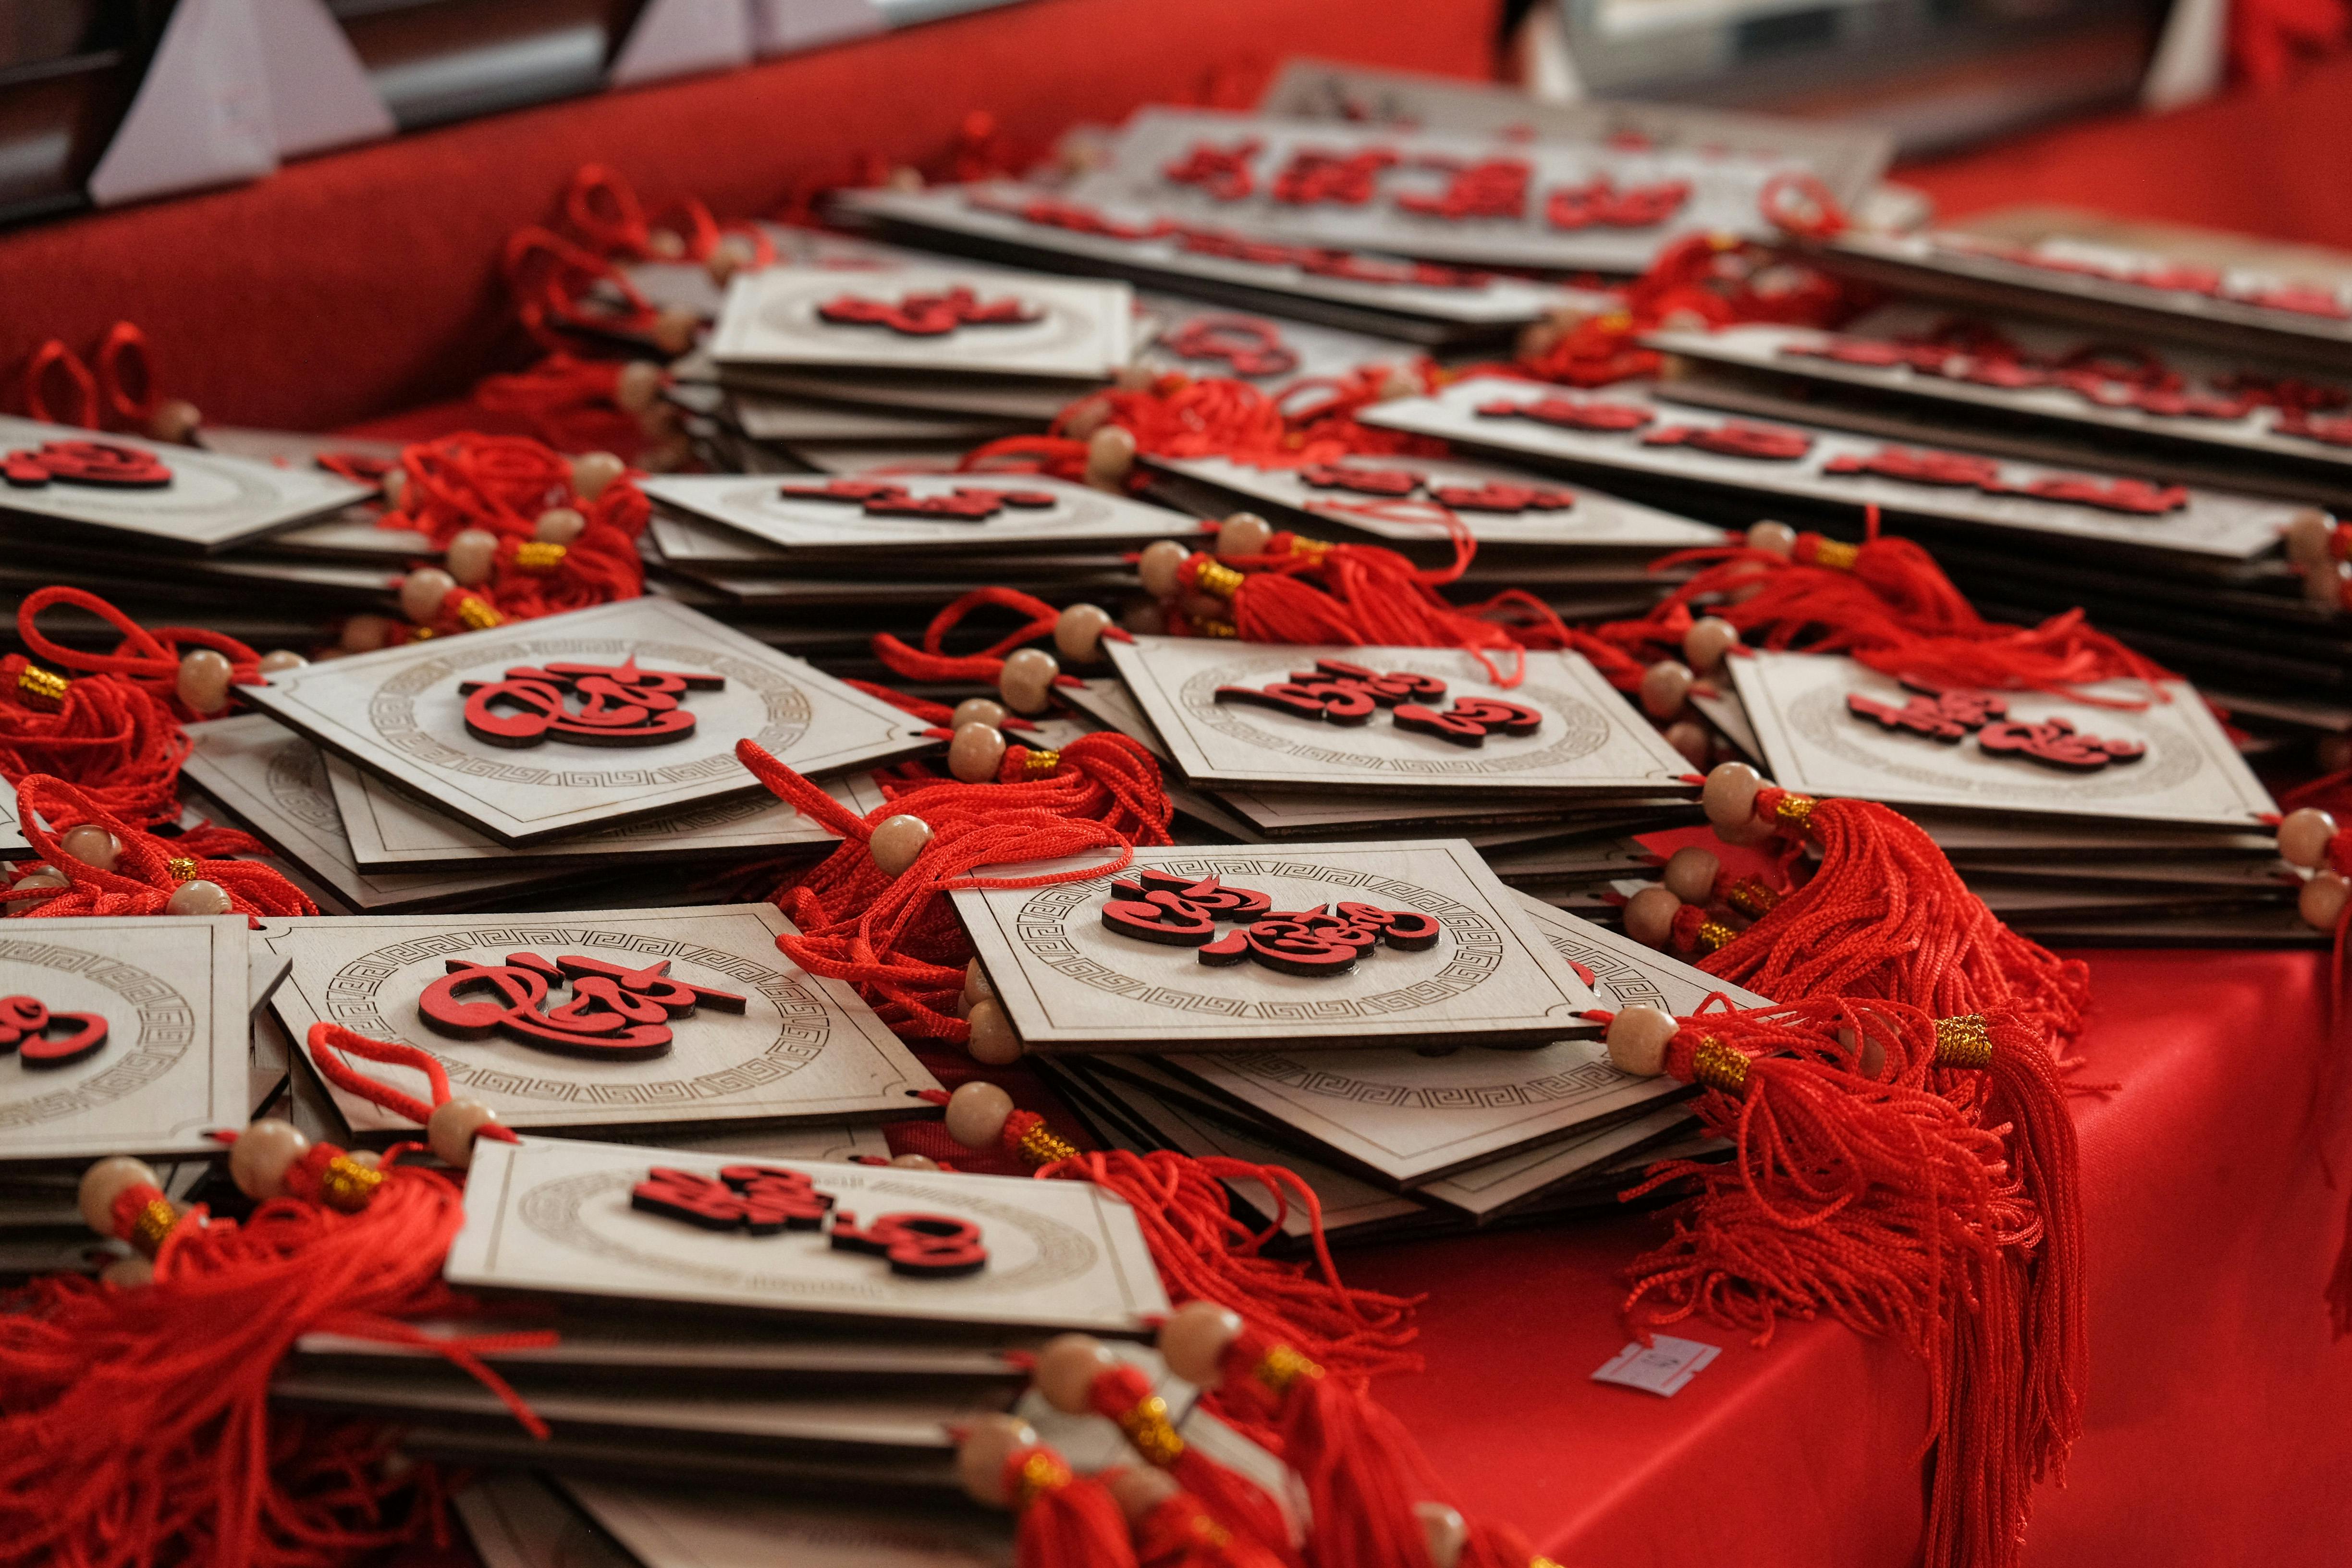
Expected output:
(155, 1221)
(1041, 762)
(1148, 1428)
(181, 868)
(1281, 1366)
(1209, 1533)
(1835, 554)
(477, 616)
(1796, 810)
(1750, 897)
(346, 1185)
(1040, 1146)
(1317, 548)
(1713, 936)
(1963, 1042)
(1215, 629)
(539, 555)
(1718, 1066)
(1214, 577)
(44, 687)
(1040, 1472)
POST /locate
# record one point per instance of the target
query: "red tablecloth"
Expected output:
(2220, 1411)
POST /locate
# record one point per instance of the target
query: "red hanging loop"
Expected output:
(52, 362)
(125, 373)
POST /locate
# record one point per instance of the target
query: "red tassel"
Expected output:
(1180, 1533)
(148, 869)
(1067, 1521)
(1122, 1394)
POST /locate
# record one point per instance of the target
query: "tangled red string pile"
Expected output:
(144, 879)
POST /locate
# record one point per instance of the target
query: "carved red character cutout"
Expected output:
(1736, 438)
(2055, 742)
(1315, 943)
(2303, 300)
(920, 1246)
(1921, 467)
(764, 1200)
(1490, 188)
(1177, 912)
(1221, 173)
(919, 315)
(1470, 719)
(2137, 497)
(1251, 347)
(879, 498)
(1873, 353)
(1947, 716)
(2336, 432)
(1336, 692)
(1599, 203)
(104, 465)
(620, 705)
(1362, 481)
(1570, 415)
(614, 1014)
(1498, 496)
(1343, 179)
(25, 1029)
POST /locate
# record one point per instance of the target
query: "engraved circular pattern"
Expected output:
(804, 1028)
(296, 778)
(393, 708)
(552, 1210)
(793, 316)
(1042, 925)
(2173, 758)
(167, 1028)
(1581, 729)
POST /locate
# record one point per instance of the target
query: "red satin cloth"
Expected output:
(2219, 1412)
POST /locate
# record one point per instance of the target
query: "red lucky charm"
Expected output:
(1570, 415)
(760, 1199)
(614, 1012)
(1223, 173)
(1175, 913)
(1493, 188)
(965, 504)
(2056, 742)
(1501, 496)
(1250, 346)
(920, 1246)
(1335, 691)
(105, 465)
(24, 1026)
(1362, 481)
(1939, 715)
(1312, 177)
(1599, 203)
(621, 705)
(1470, 719)
(922, 315)
(1736, 438)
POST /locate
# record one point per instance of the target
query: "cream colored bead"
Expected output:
(591, 473)
(176, 421)
(38, 880)
(1650, 916)
(2323, 584)
(365, 633)
(452, 1128)
(1665, 688)
(559, 525)
(1690, 738)
(1194, 1339)
(1747, 833)
(2310, 538)
(471, 556)
(1709, 639)
(107, 1181)
(130, 1273)
(978, 711)
(2303, 838)
(1637, 1040)
(201, 897)
(993, 1043)
(277, 661)
(980, 1457)
(1398, 384)
(975, 753)
(1244, 534)
(976, 984)
(1140, 1489)
(2335, 753)
(1145, 618)
(905, 178)
(1026, 682)
(1110, 456)
(664, 245)
(732, 255)
(914, 1162)
(1729, 797)
(92, 845)
(897, 842)
(204, 674)
(673, 331)
(1134, 377)
(638, 387)
(421, 593)
(2321, 903)
(1086, 417)
(263, 1154)
(976, 1114)
(1443, 1531)
(1536, 338)
(1158, 566)
(1690, 874)
(365, 1159)
(1775, 537)
(1078, 633)
(1066, 1369)
(394, 485)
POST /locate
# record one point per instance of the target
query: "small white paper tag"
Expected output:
(1664, 1367)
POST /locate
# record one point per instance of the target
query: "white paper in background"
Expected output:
(320, 95)
(1664, 1367)
(678, 37)
(202, 116)
(781, 27)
